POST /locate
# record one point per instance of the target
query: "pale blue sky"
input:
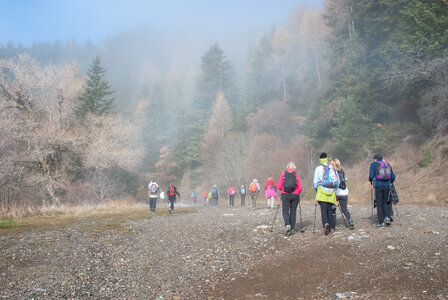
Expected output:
(28, 21)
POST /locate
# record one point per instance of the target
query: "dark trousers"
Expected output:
(172, 199)
(215, 201)
(232, 200)
(152, 204)
(243, 199)
(328, 212)
(289, 208)
(383, 208)
(343, 200)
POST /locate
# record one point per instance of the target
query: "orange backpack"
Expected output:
(253, 187)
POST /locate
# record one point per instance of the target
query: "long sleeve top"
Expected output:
(298, 188)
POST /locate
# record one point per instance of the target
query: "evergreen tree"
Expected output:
(94, 98)
(217, 73)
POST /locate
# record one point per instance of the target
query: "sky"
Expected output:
(27, 21)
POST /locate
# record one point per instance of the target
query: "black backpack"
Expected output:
(341, 175)
(289, 182)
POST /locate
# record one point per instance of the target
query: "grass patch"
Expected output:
(103, 217)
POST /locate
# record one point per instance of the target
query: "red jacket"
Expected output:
(298, 186)
(268, 183)
(231, 191)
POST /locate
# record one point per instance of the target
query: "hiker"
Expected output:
(172, 191)
(204, 197)
(231, 193)
(210, 199)
(162, 198)
(325, 183)
(270, 192)
(243, 195)
(342, 192)
(254, 189)
(215, 196)
(381, 176)
(290, 189)
(153, 187)
(194, 197)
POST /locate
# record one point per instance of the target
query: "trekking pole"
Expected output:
(275, 217)
(314, 222)
(342, 214)
(301, 224)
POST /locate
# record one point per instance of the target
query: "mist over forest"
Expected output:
(351, 79)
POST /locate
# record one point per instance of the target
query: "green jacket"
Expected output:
(324, 196)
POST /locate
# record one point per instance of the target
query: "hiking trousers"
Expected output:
(328, 212)
(343, 201)
(383, 208)
(254, 199)
(232, 200)
(243, 199)
(172, 199)
(289, 208)
(271, 201)
(152, 204)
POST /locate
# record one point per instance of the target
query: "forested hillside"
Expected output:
(356, 78)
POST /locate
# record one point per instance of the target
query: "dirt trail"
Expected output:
(220, 253)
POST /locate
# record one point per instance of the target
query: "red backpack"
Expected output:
(172, 191)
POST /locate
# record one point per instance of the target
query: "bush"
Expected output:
(426, 158)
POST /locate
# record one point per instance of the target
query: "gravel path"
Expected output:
(220, 253)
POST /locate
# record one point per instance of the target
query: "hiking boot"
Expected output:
(380, 225)
(332, 230)
(171, 211)
(293, 231)
(351, 225)
(327, 229)
(391, 219)
(387, 221)
(288, 230)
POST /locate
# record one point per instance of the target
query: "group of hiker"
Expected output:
(153, 189)
(329, 182)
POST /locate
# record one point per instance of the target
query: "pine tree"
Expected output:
(94, 98)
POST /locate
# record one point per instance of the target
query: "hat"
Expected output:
(323, 155)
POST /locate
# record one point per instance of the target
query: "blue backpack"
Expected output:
(330, 179)
(214, 192)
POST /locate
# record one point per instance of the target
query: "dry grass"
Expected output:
(115, 212)
(415, 184)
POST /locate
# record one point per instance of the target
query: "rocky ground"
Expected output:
(228, 253)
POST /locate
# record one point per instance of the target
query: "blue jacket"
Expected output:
(372, 173)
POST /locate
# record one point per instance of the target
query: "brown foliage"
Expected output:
(44, 148)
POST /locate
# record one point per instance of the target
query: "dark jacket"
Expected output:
(372, 174)
(175, 192)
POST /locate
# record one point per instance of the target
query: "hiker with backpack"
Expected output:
(270, 192)
(194, 197)
(172, 192)
(342, 193)
(204, 198)
(254, 189)
(290, 189)
(243, 195)
(231, 193)
(326, 182)
(153, 187)
(215, 196)
(381, 176)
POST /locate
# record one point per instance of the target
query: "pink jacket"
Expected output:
(270, 192)
(298, 189)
